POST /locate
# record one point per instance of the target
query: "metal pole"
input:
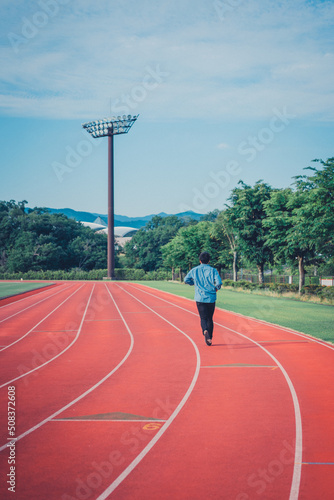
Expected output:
(111, 231)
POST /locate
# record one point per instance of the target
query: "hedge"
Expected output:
(95, 274)
(323, 292)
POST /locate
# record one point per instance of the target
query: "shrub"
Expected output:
(312, 289)
(247, 285)
(283, 287)
(327, 293)
(229, 283)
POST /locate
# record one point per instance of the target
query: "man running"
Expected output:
(207, 281)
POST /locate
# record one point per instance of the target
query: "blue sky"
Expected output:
(225, 89)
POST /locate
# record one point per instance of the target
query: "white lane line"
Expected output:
(170, 420)
(32, 305)
(105, 420)
(84, 394)
(33, 328)
(60, 353)
(295, 485)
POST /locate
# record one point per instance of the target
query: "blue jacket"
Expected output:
(206, 280)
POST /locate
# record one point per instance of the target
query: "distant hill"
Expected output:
(120, 220)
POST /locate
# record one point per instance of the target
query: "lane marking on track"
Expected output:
(60, 353)
(33, 328)
(32, 305)
(317, 463)
(114, 417)
(285, 340)
(84, 394)
(97, 320)
(105, 420)
(239, 365)
(295, 485)
(170, 420)
(53, 331)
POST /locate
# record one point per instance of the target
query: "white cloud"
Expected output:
(261, 55)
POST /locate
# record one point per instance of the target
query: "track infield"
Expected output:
(11, 288)
(117, 396)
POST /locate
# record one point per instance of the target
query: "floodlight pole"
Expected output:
(111, 227)
(108, 127)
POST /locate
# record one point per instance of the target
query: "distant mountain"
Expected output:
(120, 220)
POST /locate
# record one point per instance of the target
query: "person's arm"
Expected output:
(218, 281)
(189, 279)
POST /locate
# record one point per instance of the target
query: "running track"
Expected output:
(117, 396)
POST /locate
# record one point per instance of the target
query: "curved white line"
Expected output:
(295, 485)
(60, 353)
(170, 420)
(84, 394)
(32, 305)
(33, 328)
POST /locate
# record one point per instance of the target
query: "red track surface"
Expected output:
(117, 396)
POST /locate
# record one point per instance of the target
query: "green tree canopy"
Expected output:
(183, 250)
(34, 239)
(318, 205)
(246, 216)
(301, 221)
(143, 251)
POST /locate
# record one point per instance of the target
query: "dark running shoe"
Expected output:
(208, 341)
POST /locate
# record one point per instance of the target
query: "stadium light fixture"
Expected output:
(108, 127)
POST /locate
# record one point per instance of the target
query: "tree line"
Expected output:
(36, 240)
(259, 225)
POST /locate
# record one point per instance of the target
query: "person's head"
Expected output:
(204, 258)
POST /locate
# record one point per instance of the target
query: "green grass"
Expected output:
(306, 317)
(9, 289)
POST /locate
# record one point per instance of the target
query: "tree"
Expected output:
(227, 235)
(246, 215)
(144, 249)
(284, 235)
(89, 251)
(183, 250)
(301, 221)
(34, 239)
(318, 206)
(210, 216)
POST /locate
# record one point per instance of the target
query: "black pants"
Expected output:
(206, 310)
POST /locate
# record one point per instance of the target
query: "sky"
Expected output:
(225, 90)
